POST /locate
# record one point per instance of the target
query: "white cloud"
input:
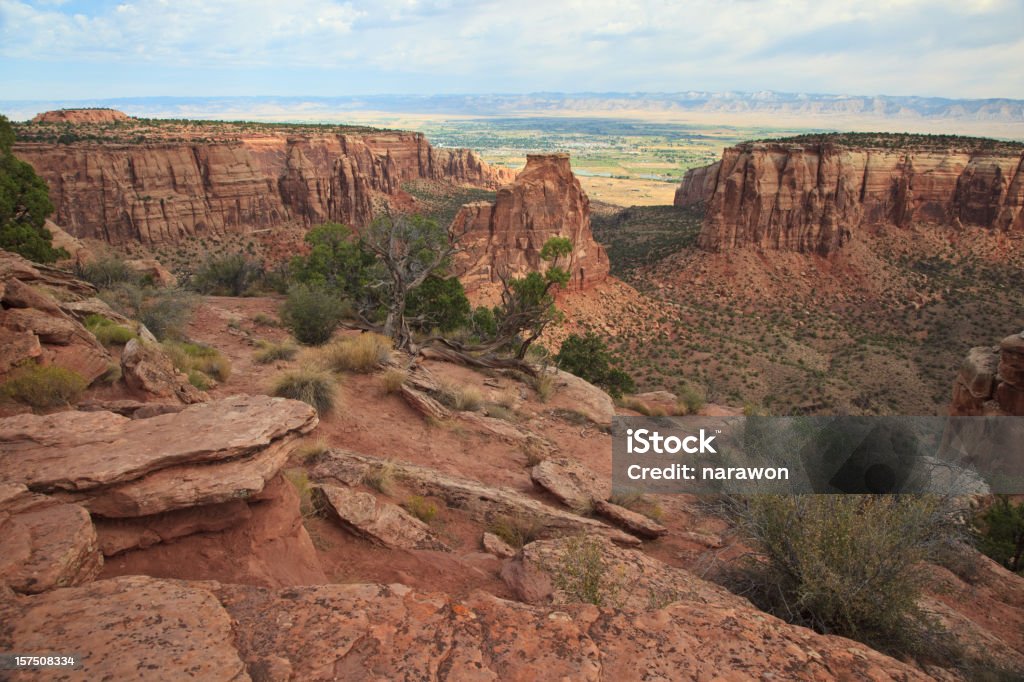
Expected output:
(872, 46)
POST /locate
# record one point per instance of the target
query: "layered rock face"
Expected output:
(158, 192)
(76, 487)
(814, 197)
(39, 311)
(991, 380)
(505, 238)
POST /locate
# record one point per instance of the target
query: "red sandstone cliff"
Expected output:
(157, 192)
(506, 237)
(814, 197)
(991, 380)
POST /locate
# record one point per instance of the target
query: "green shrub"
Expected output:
(337, 261)
(164, 312)
(1001, 532)
(24, 205)
(420, 507)
(199, 380)
(581, 574)
(852, 565)
(41, 387)
(438, 303)
(107, 271)
(195, 357)
(315, 387)
(691, 399)
(271, 352)
(233, 275)
(107, 331)
(312, 313)
(589, 358)
(483, 324)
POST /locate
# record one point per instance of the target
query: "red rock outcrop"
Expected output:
(150, 486)
(506, 237)
(38, 323)
(814, 197)
(367, 631)
(991, 380)
(157, 192)
(81, 116)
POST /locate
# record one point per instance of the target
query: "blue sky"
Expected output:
(68, 49)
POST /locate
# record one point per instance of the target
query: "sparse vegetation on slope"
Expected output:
(937, 142)
(44, 386)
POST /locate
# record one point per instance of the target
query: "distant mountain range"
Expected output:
(882, 107)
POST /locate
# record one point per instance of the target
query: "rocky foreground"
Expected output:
(83, 486)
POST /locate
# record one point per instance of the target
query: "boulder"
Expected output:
(147, 368)
(496, 546)
(150, 269)
(978, 373)
(133, 627)
(635, 523)
(33, 327)
(44, 544)
(571, 392)
(575, 485)
(379, 522)
(424, 404)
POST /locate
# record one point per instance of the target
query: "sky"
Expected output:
(68, 49)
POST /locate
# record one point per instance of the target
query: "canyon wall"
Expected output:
(158, 192)
(813, 197)
(505, 238)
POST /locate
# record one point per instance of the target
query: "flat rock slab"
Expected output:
(392, 632)
(129, 628)
(184, 486)
(379, 522)
(635, 523)
(81, 451)
(572, 482)
(45, 544)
